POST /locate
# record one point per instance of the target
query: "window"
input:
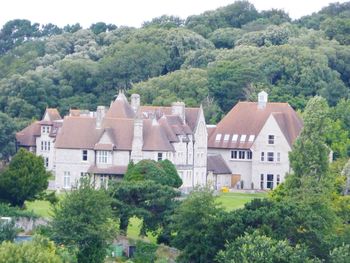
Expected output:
(278, 179)
(47, 129)
(46, 162)
(104, 181)
(234, 154)
(234, 137)
(48, 146)
(270, 157)
(251, 138)
(103, 157)
(262, 157)
(249, 155)
(218, 137)
(66, 179)
(271, 139)
(160, 156)
(243, 137)
(241, 154)
(269, 181)
(261, 181)
(42, 145)
(84, 156)
(278, 157)
(227, 136)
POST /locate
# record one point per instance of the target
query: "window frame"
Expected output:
(270, 157)
(84, 154)
(271, 139)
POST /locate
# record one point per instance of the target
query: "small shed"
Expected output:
(219, 174)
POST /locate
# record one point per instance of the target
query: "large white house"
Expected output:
(254, 139)
(103, 143)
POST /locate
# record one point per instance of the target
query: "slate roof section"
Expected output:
(247, 119)
(27, 136)
(217, 165)
(53, 114)
(119, 169)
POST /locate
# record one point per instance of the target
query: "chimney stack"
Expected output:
(178, 108)
(137, 142)
(135, 102)
(100, 114)
(262, 99)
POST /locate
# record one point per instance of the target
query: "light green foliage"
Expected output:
(40, 250)
(255, 248)
(24, 179)
(82, 221)
(340, 254)
(145, 252)
(7, 230)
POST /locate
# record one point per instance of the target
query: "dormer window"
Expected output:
(227, 136)
(234, 137)
(271, 139)
(251, 138)
(218, 137)
(243, 137)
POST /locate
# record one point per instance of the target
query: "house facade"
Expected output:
(254, 140)
(103, 143)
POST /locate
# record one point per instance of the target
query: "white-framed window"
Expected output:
(66, 179)
(42, 145)
(249, 155)
(103, 157)
(271, 139)
(48, 146)
(262, 156)
(234, 137)
(243, 137)
(160, 156)
(226, 137)
(261, 181)
(104, 181)
(84, 155)
(278, 179)
(46, 162)
(218, 137)
(234, 154)
(241, 154)
(269, 181)
(47, 129)
(278, 157)
(270, 157)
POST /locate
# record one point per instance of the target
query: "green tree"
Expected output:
(40, 250)
(24, 179)
(7, 136)
(256, 248)
(83, 221)
(192, 227)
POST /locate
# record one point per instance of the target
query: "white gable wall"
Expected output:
(261, 145)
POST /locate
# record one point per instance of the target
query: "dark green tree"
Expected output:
(24, 179)
(7, 136)
(83, 221)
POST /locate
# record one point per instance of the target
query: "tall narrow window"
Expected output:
(103, 157)
(269, 181)
(84, 156)
(160, 156)
(249, 155)
(278, 157)
(234, 154)
(278, 179)
(46, 162)
(48, 146)
(270, 156)
(271, 139)
(66, 179)
(261, 181)
(262, 157)
(42, 145)
(241, 154)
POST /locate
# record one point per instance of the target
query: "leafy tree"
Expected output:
(191, 225)
(7, 136)
(340, 254)
(24, 179)
(259, 248)
(164, 21)
(163, 172)
(83, 221)
(150, 201)
(40, 250)
(7, 231)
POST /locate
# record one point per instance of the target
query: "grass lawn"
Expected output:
(39, 207)
(232, 201)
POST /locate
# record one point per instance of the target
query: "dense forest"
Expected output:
(215, 59)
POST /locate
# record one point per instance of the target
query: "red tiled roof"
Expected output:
(27, 136)
(247, 119)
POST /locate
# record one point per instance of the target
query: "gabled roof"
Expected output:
(52, 114)
(155, 137)
(217, 165)
(246, 118)
(27, 136)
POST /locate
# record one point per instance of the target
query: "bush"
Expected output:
(145, 252)
(7, 231)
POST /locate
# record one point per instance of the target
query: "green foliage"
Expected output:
(164, 21)
(7, 231)
(254, 248)
(7, 136)
(340, 254)
(83, 221)
(192, 225)
(10, 211)
(163, 172)
(24, 179)
(145, 252)
(40, 250)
